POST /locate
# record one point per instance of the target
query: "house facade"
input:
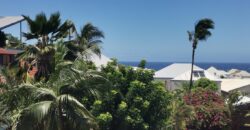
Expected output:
(177, 74)
(7, 56)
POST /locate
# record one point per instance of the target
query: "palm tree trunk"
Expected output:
(192, 69)
(61, 125)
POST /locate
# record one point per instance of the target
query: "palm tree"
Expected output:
(79, 81)
(86, 43)
(61, 112)
(31, 108)
(46, 32)
(201, 33)
(42, 101)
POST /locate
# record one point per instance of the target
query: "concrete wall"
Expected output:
(165, 81)
(245, 90)
(178, 84)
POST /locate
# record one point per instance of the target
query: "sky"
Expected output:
(155, 30)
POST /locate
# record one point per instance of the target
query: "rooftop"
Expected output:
(99, 61)
(174, 70)
(7, 21)
(218, 73)
(196, 75)
(9, 51)
(228, 85)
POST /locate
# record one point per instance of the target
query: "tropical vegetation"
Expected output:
(68, 92)
(2, 39)
(201, 32)
(133, 102)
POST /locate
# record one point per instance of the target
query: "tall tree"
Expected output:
(46, 31)
(142, 64)
(2, 39)
(200, 33)
(87, 42)
(45, 105)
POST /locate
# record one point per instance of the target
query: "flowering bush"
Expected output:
(210, 109)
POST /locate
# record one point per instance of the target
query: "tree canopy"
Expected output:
(2, 39)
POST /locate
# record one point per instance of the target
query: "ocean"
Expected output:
(205, 65)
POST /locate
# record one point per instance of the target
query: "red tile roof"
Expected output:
(8, 52)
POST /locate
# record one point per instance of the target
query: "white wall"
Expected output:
(177, 84)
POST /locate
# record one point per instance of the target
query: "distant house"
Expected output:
(7, 56)
(243, 74)
(218, 73)
(99, 61)
(235, 73)
(242, 85)
(232, 71)
(176, 74)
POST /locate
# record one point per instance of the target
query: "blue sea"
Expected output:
(221, 66)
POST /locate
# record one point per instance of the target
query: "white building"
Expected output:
(242, 85)
(218, 73)
(99, 61)
(235, 73)
(243, 74)
(176, 74)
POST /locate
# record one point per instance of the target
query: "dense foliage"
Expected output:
(211, 111)
(142, 64)
(119, 97)
(71, 93)
(239, 111)
(205, 83)
(56, 102)
(2, 39)
(134, 101)
(180, 112)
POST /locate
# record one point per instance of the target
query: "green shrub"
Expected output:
(134, 100)
(206, 83)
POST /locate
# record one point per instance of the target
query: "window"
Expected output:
(202, 74)
(198, 74)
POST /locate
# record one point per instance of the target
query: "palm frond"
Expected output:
(54, 22)
(33, 116)
(91, 32)
(44, 94)
(41, 21)
(29, 36)
(33, 27)
(75, 113)
(202, 29)
(190, 36)
(63, 30)
(30, 52)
